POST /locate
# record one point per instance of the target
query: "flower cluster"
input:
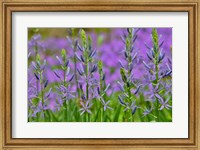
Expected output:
(128, 86)
(156, 74)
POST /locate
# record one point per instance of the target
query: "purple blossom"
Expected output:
(86, 107)
(105, 105)
(164, 104)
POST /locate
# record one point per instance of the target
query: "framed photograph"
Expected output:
(107, 75)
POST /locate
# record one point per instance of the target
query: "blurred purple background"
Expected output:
(108, 45)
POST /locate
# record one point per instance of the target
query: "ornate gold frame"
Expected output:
(9, 6)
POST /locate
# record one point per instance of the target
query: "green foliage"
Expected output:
(89, 41)
(128, 43)
(35, 100)
(73, 32)
(63, 54)
(38, 58)
(115, 115)
(155, 37)
(36, 30)
(100, 65)
(83, 38)
(123, 74)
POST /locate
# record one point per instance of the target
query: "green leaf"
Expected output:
(162, 91)
(123, 74)
(108, 118)
(47, 116)
(154, 82)
(100, 65)
(38, 58)
(73, 32)
(63, 53)
(53, 117)
(116, 117)
(89, 41)
(97, 114)
(36, 100)
(132, 85)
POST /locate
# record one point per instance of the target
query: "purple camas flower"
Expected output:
(164, 104)
(32, 90)
(87, 67)
(128, 84)
(35, 44)
(39, 108)
(154, 69)
(153, 93)
(86, 107)
(65, 92)
(128, 106)
(64, 89)
(35, 40)
(38, 101)
(146, 112)
(105, 105)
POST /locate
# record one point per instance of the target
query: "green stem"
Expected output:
(41, 86)
(132, 118)
(88, 115)
(68, 110)
(75, 70)
(37, 82)
(157, 69)
(125, 117)
(65, 102)
(129, 60)
(65, 111)
(85, 117)
(157, 111)
(87, 85)
(102, 114)
(42, 94)
(101, 83)
(157, 102)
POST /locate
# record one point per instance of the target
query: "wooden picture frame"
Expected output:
(9, 6)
